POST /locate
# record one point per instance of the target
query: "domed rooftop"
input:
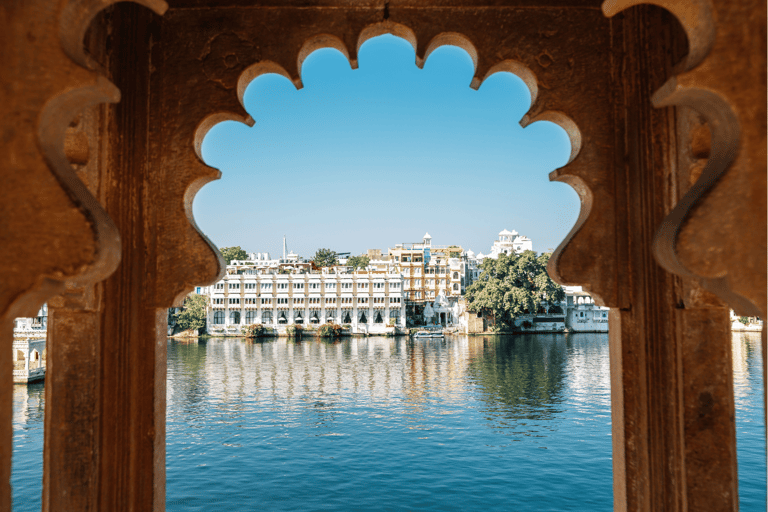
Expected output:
(508, 233)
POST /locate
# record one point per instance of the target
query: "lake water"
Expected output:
(468, 423)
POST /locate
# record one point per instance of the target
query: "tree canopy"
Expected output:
(326, 258)
(357, 262)
(513, 285)
(192, 315)
(233, 253)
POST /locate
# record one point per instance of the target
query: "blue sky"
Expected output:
(367, 158)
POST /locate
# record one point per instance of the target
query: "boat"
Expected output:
(429, 334)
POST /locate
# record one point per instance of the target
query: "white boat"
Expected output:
(429, 334)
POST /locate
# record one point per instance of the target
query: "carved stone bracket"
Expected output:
(717, 231)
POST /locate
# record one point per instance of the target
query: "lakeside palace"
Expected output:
(413, 284)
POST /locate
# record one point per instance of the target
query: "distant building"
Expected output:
(509, 242)
(368, 301)
(262, 261)
(34, 327)
(29, 347)
(429, 272)
(582, 314)
(577, 313)
(748, 323)
(29, 359)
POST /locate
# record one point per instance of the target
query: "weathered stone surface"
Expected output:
(96, 204)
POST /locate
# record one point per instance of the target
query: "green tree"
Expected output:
(356, 262)
(513, 285)
(192, 315)
(233, 253)
(326, 258)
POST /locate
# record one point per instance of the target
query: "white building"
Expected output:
(29, 359)
(34, 327)
(367, 301)
(29, 341)
(473, 267)
(750, 323)
(509, 242)
(582, 314)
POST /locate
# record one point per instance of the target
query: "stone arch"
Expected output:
(387, 26)
(602, 173)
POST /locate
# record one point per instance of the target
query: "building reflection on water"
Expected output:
(747, 363)
(520, 377)
(478, 395)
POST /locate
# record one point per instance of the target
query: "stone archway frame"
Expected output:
(55, 232)
(603, 288)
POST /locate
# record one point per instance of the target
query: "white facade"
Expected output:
(509, 242)
(472, 267)
(35, 327)
(582, 314)
(367, 301)
(29, 359)
(754, 324)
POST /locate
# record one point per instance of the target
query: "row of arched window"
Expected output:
(251, 317)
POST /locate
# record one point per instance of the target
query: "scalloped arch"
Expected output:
(316, 43)
(521, 71)
(212, 120)
(389, 27)
(446, 38)
(254, 71)
(402, 31)
(459, 40)
(586, 200)
(564, 122)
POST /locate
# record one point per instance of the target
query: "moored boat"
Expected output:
(429, 334)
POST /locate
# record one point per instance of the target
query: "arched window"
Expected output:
(266, 317)
(234, 317)
(363, 319)
(218, 317)
(456, 287)
(378, 317)
(250, 316)
(346, 317)
(282, 318)
(314, 316)
(455, 275)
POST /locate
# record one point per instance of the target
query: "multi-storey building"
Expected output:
(581, 312)
(429, 271)
(509, 242)
(368, 301)
(33, 326)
